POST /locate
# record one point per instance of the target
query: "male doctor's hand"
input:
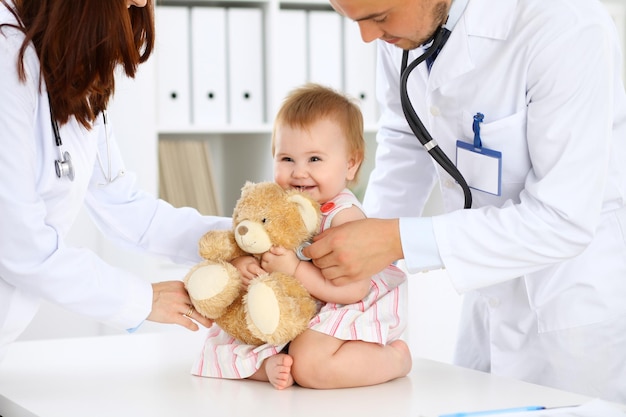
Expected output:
(171, 304)
(356, 250)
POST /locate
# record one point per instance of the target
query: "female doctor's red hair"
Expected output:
(79, 44)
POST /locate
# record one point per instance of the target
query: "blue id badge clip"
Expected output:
(481, 167)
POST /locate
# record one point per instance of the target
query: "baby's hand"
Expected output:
(279, 259)
(248, 267)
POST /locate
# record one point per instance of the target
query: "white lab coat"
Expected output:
(37, 209)
(547, 259)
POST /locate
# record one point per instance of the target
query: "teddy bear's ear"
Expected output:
(248, 185)
(307, 211)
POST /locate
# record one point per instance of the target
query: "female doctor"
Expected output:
(57, 61)
(541, 254)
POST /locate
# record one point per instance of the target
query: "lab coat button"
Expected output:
(434, 110)
(494, 302)
(449, 183)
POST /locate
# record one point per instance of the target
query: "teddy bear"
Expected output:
(275, 307)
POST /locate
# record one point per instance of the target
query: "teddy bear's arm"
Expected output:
(219, 245)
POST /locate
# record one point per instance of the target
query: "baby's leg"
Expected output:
(322, 361)
(276, 370)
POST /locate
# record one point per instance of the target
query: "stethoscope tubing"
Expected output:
(416, 125)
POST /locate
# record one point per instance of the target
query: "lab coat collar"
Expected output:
(456, 10)
(481, 18)
(489, 19)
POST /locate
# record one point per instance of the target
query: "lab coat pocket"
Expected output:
(508, 136)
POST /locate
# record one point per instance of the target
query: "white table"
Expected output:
(148, 375)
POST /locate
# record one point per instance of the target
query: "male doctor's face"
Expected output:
(404, 23)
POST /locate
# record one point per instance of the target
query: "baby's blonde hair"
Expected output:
(311, 102)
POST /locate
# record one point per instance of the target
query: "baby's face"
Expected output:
(314, 159)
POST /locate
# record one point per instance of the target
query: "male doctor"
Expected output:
(526, 99)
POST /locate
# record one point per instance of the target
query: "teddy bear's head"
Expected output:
(267, 215)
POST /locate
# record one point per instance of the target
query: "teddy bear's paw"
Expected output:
(278, 308)
(212, 287)
(263, 309)
(233, 322)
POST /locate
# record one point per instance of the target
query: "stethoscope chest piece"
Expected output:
(64, 166)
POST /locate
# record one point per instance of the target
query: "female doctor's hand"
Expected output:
(171, 304)
(356, 250)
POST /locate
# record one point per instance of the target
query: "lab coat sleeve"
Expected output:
(418, 238)
(570, 86)
(137, 219)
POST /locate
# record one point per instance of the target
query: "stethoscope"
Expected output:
(416, 125)
(64, 166)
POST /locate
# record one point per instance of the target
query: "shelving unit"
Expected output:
(297, 41)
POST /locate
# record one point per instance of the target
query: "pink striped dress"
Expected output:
(380, 317)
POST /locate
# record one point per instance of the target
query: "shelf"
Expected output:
(308, 5)
(214, 3)
(264, 129)
(216, 130)
(287, 4)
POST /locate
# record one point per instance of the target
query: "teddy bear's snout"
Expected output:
(252, 237)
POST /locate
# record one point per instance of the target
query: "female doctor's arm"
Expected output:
(135, 219)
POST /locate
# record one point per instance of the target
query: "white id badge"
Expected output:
(481, 167)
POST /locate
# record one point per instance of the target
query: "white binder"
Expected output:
(245, 65)
(291, 49)
(172, 55)
(360, 70)
(325, 44)
(208, 66)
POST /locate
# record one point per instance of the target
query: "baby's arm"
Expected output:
(280, 259)
(285, 261)
(311, 277)
(249, 267)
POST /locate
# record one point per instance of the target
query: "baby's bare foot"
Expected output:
(278, 370)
